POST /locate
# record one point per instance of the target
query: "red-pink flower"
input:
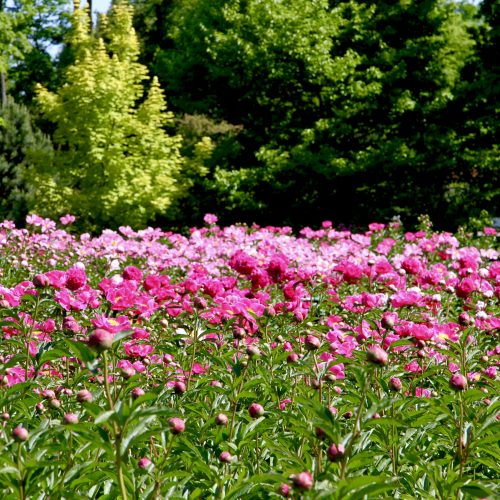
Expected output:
(407, 299)
(134, 350)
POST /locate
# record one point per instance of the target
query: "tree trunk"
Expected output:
(89, 3)
(3, 85)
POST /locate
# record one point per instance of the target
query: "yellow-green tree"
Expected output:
(114, 163)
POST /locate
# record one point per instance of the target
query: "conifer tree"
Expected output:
(114, 164)
(20, 143)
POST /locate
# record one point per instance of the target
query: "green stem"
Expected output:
(106, 381)
(235, 402)
(257, 451)
(394, 451)
(160, 466)
(22, 493)
(30, 333)
(460, 436)
(356, 431)
(116, 431)
(193, 355)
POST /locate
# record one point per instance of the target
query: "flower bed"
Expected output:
(248, 362)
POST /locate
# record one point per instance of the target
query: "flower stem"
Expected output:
(356, 431)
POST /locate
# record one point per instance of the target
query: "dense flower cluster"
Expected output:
(172, 316)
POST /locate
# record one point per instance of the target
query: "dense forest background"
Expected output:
(268, 111)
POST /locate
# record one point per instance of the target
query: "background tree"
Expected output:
(476, 184)
(114, 164)
(343, 106)
(30, 31)
(20, 144)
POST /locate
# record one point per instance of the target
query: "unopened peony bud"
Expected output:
(20, 434)
(101, 340)
(55, 403)
(239, 333)
(293, 357)
(458, 382)
(179, 387)
(84, 396)
(137, 392)
(221, 419)
(49, 394)
(177, 425)
(70, 418)
(320, 433)
(388, 322)
(284, 490)
(335, 452)
(253, 351)
(144, 463)
(377, 356)
(41, 281)
(303, 481)
(256, 410)
(225, 457)
(312, 343)
(127, 372)
(395, 384)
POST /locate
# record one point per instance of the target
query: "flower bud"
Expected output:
(70, 418)
(84, 396)
(41, 281)
(303, 481)
(256, 410)
(458, 382)
(49, 394)
(221, 419)
(395, 384)
(225, 457)
(20, 434)
(179, 387)
(55, 403)
(312, 343)
(101, 340)
(144, 463)
(137, 392)
(293, 357)
(253, 351)
(284, 490)
(377, 356)
(388, 321)
(127, 372)
(239, 333)
(320, 433)
(199, 303)
(177, 425)
(335, 452)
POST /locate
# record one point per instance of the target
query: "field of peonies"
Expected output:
(248, 362)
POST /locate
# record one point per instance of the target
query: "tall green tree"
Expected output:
(14, 43)
(114, 163)
(29, 32)
(477, 181)
(342, 104)
(21, 143)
